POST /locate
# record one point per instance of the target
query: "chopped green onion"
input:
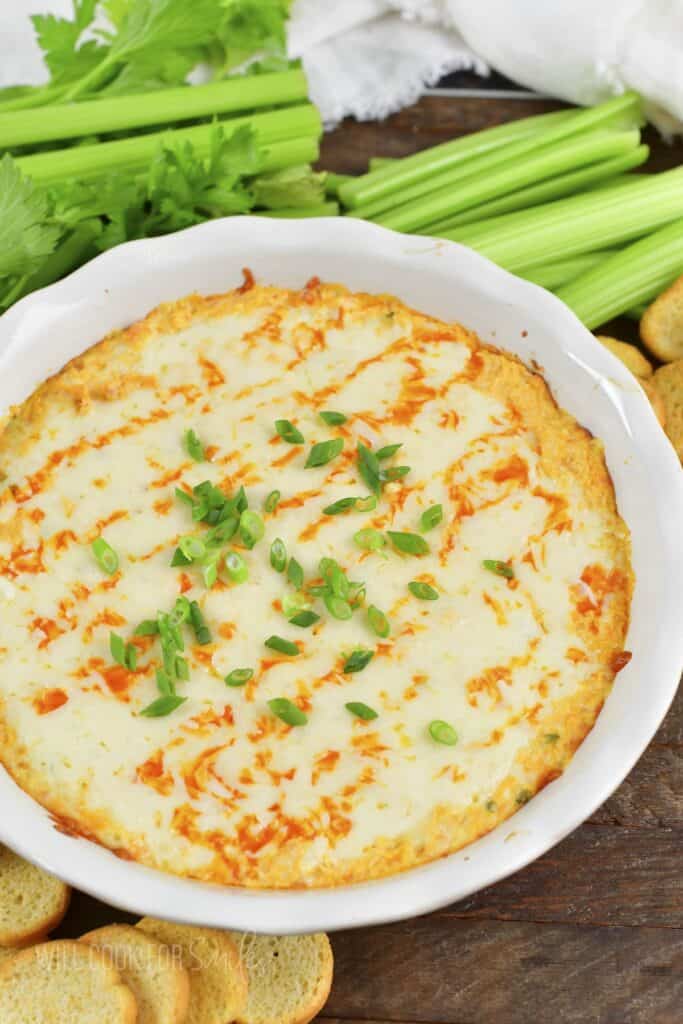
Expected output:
(295, 574)
(333, 419)
(123, 654)
(336, 579)
(282, 646)
(369, 539)
(499, 568)
(182, 669)
(367, 504)
(408, 543)
(387, 451)
(165, 684)
(292, 604)
(201, 630)
(431, 517)
(107, 559)
(395, 472)
(271, 502)
(288, 712)
(148, 627)
(338, 607)
(179, 559)
(356, 594)
(239, 676)
(163, 706)
(182, 495)
(240, 501)
(379, 623)
(369, 468)
(288, 432)
(323, 452)
(252, 528)
(338, 507)
(442, 732)
(304, 619)
(358, 660)
(423, 591)
(193, 548)
(219, 535)
(361, 710)
(210, 571)
(325, 564)
(195, 448)
(278, 555)
(236, 567)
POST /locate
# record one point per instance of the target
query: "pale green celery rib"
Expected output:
(433, 168)
(628, 278)
(583, 223)
(546, 162)
(291, 152)
(87, 161)
(559, 272)
(68, 121)
(334, 181)
(329, 209)
(409, 169)
(554, 188)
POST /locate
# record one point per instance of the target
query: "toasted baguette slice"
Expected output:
(289, 977)
(63, 983)
(218, 980)
(668, 381)
(32, 903)
(632, 358)
(661, 325)
(158, 981)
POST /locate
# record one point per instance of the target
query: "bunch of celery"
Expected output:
(117, 145)
(549, 198)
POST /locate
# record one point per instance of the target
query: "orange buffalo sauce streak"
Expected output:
(227, 630)
(419, 679)
(515, 469)
(24, 561)
(169, 476)
(107, 617)
(601, 584)
(49, 629)
(306, 339)
(152, 773)
(452, 771)
(50, 700)
(247, 282)
(368, 744)
(61, 540)
(489, 680)
(212, 374)
(201, 773)
(311, 292)
(206, 721)
(118, 679)
(163, 506)
(619, 660)
(262, 765)
(190, 392)
(576, 655)
(496, 607)
(449, 420)
(269, 328)
(288, 456)
(324, 763)
(297, 500)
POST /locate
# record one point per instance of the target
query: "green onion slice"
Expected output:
(252, 528)
(148, 627)
(408, 543)
(288, 432)
(395, 472)
(499, 568)
(295, 573)
(442, 732)
(431, 517)
(282, 646)
(288, 712)
(163, 706)
(236, 567)
(195, 448)
(179, 559)
(192, 548)
(198, 621)
(338, 607)
(304, 618)
(369, 468)
(367, 504)
(369, 539)
(123, 654)
(379, 623)
(338, 507)
(358, 660)
(271, 502)
(165, 684)
(210, 571)
(333, 419)
(239, 676)
(361, 710)
(323, 452)
(107, 559)
(387, 451)
(423, 591)
(219, 535)
(278, 555)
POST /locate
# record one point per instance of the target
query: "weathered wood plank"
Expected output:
(479, 972)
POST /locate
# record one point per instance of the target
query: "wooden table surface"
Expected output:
(592, 933)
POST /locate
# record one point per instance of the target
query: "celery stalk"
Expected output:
(434, 168)
(588, 148)
(583, 223)
(627, 278)
(560, 272)
(45, 124)
(554, 188)
(418, 166)
(330, 209)
(376, 163)
(334, 181)
(123, 154)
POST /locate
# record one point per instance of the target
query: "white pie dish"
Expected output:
(446, 280)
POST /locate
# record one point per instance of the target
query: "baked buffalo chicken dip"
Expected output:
(300, 588)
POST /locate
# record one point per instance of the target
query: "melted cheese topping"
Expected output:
(222, 789)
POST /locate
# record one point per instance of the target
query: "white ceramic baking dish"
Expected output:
(49, 327)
